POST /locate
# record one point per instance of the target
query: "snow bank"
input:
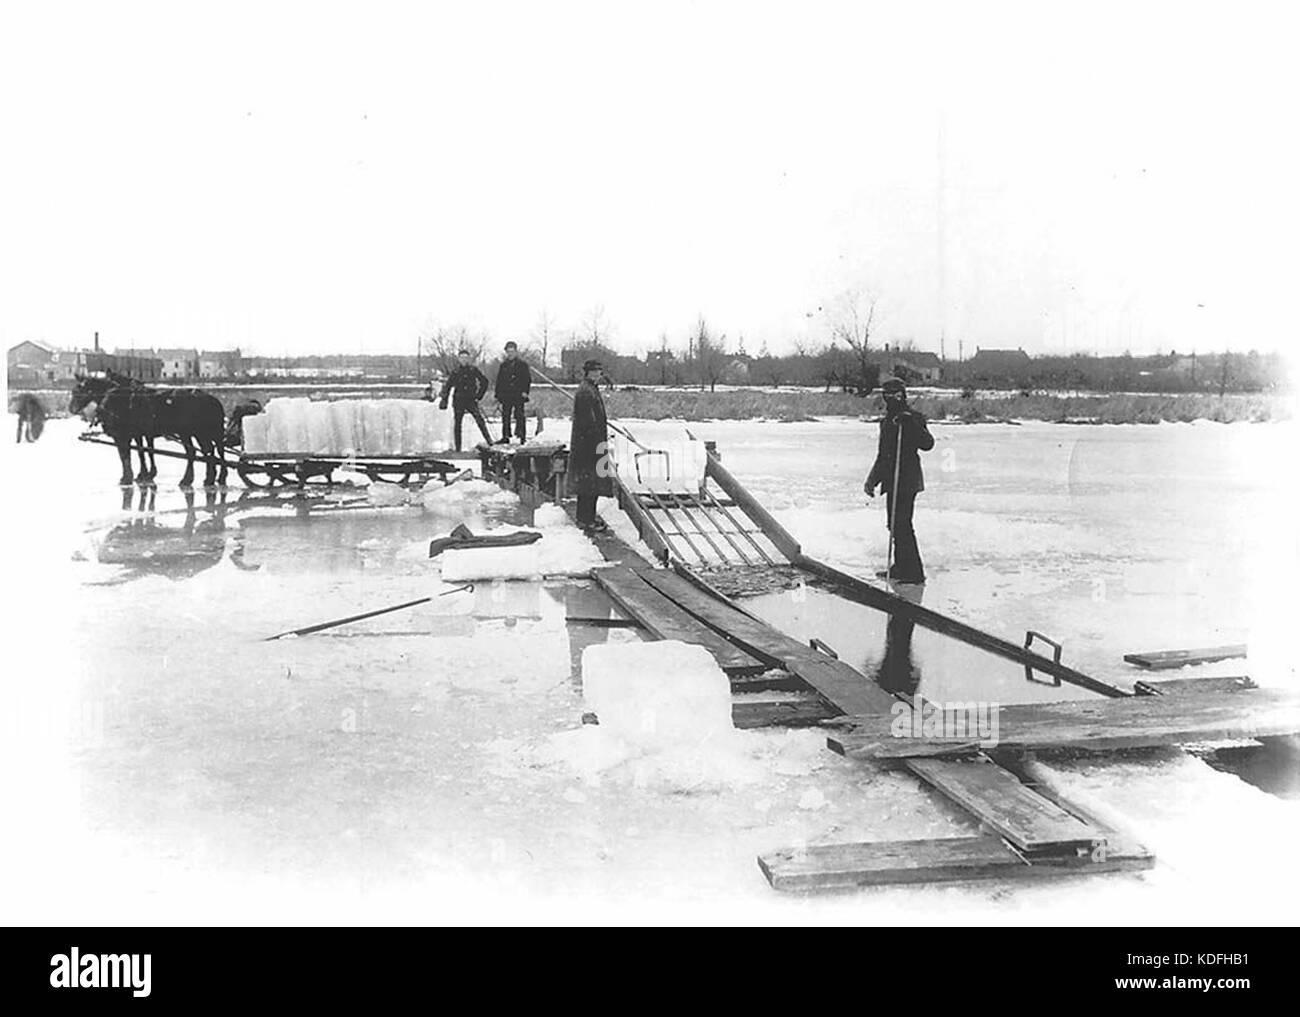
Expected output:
(362, 427)
(657, 695)
(464, 495)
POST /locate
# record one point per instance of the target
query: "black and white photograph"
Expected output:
(674, 464)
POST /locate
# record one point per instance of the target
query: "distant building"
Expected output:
(29, 353)
(1010, 366)
(910, 365)
(139, 364)
(221, 363)
(179, 364)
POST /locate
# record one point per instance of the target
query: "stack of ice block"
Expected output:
(349, 427)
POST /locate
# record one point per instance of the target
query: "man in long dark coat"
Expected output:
(589, 463)
(514, 382)
(902, 433)
(466, 385)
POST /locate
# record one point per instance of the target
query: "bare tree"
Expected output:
(710, 355)
(541, 334)
(596, 328)
(852, 318)
(442, 344)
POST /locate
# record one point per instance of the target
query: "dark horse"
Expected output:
(31, 416)
(130, 411)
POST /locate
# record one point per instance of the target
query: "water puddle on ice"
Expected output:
(900, 656)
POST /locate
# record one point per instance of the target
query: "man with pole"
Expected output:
(589, 464)
(514, 382)
(466, 385)
(897, 471)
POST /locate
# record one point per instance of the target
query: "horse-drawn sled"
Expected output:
(290, 442)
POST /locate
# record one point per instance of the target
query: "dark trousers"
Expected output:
(586, 509)
(515, 408)
(907, 557)
(460, 411)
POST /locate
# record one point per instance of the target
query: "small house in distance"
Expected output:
(913, 366)
(179, 364)
(999, 367)
(221, 363)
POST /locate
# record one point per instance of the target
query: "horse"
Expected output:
(141, 413)
(125, 415)
(31, 416)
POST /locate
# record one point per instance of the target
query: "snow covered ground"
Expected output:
(163, 763)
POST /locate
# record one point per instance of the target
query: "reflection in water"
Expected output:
(146, 547)
(897, 671)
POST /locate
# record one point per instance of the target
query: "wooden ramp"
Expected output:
(1161, 660)
(1100, 725)
(665, 620)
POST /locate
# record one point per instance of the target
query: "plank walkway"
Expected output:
(1098, 725)
(1160, 660)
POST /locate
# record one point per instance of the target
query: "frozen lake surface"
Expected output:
(164, 763)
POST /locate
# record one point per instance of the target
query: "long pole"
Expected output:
(307, 630)
(612, 426)
(893, 499)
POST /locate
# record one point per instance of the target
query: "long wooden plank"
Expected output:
(788, 713)
(665, 620)
(862, 592)
(1193, 686)
(1160, 660)
(997, 798)
(1100, 725)
(841, 686)
(959, 859)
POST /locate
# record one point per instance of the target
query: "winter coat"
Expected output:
(514, 380)
(589, 467)
(915, 436)
(467, 385)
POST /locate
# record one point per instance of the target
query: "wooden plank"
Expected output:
(788, 713)
(843, 687)
(998, 799)
(959, 859)
(1159, 660)
(1193, 686)
(665, 620)
(1100, 725)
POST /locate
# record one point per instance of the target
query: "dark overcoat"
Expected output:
(915, 436)
(589, 466)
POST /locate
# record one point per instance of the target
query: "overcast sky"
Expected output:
(294, 178)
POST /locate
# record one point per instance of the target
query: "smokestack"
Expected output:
(96, 342)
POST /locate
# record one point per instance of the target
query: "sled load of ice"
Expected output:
(349, 427)
(670, 467)
(657, 695)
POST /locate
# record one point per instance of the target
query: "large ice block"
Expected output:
(658, 695)
(675, 466)
(466, 564)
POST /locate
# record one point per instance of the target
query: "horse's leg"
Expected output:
(143, 476)
(124, 453)
(153, 459)
(221, 454)
(188, 479)
(210, 468)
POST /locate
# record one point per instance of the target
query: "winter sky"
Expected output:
(294, 178)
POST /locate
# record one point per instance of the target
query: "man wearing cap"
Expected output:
(589, 464)
(514, 382)
(466, 385)
(902, 434)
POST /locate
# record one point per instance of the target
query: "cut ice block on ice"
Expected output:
(464, 564)
(675, 466)
(550, 517)
(657, 695)
(256, 432)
